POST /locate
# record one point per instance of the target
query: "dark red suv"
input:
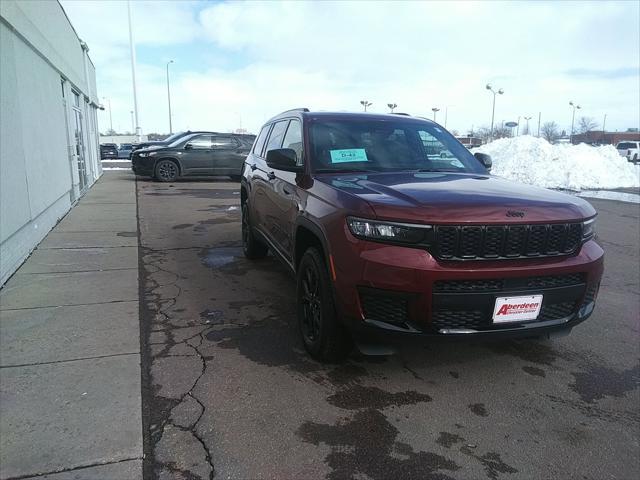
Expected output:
(393, 228)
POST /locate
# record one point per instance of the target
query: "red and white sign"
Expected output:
(516, 309)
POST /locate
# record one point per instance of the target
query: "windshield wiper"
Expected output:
(343, 170)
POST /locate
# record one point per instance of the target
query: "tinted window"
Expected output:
(626, 145)
(293, 139)
(200, 142)
(389, 145)
(257, 148)
(223, 142)
(275, 139)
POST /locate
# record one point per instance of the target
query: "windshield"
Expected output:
(173, 137)
(387, 145)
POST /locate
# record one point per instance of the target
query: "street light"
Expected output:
(365, 104)
(392, 106)
(573, 117)
(132, 122)
(110, 117)
(527, 119)
(493, 111)
(169, 97)
(435, 110)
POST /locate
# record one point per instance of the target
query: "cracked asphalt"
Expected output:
(229, 392)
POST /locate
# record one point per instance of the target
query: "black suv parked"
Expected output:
(108, 150)
(194, 154)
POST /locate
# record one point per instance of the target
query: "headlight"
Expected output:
(150, 154)
(388, 231)
(588, 229)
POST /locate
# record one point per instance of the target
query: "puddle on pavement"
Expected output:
(220, 257)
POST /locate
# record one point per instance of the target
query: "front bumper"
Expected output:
(385, 291)
(142, 166)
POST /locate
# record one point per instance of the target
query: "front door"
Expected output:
(79, 149)
(197, 155)
(226, 157)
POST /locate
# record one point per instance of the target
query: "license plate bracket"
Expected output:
(517, 309)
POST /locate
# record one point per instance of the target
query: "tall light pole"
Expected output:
(138, 131)
(446, 115)
(518, 127)
(493, 111)
(539, 118)
(392, 106)
(527, 119)
(169, 97)
(435, 110)
(573, 118)
(365, 104)
(604, 121)
(110, 117)
(132, 122)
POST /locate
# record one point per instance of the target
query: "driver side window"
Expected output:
(293, 139)
(201, 142)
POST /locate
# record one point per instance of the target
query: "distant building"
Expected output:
(605, 138)
(470, 142)
(49, 153)
(118, 139)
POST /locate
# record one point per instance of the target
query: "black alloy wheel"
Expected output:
(166, 171)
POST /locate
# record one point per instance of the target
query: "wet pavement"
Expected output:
(230, 393)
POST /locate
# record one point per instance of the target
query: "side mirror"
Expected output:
(484, 160)
(188, 146)
(283, 159)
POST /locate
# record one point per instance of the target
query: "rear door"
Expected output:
(227, 155)
(196, 155)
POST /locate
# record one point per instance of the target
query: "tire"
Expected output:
(166, 171)
(252, 247)
(324, 336)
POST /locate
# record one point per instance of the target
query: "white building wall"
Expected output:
(39, 175)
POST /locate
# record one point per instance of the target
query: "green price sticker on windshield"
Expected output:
(349, 155)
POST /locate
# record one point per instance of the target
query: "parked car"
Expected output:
(630, 150)
(193, 154)
(108, 150)
(167, 141)
(390, 239)
(124, 150)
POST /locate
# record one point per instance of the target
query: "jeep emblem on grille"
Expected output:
(515, 213)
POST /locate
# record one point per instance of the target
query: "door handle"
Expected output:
(253, 167)
(271, 175)
(286, 191)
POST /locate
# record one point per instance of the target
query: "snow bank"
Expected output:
(535, 161)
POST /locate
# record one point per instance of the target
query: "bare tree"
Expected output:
(550, 132)
(586, 124)
(484, 133)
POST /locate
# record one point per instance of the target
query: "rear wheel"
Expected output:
(166, 171)
(324, 336)
(251, 246)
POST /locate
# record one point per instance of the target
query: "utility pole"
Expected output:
(169, 97)
(110, 117)
(138, 131)
(493, 111)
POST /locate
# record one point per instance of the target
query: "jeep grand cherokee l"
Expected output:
(389, 237)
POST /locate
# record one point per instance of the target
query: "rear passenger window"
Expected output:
(293, 139)
(275, 139)
(257, 148)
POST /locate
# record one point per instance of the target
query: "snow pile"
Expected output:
(535, 161)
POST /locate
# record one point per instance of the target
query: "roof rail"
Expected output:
(300, 109)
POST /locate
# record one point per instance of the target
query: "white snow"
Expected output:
(535, 161)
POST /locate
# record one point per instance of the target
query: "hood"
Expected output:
(454, 198)
(150, 148)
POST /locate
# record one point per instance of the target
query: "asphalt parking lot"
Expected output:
(229, 391)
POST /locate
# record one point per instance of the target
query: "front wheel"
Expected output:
(324, 336)
(251, 246)
(166, 171)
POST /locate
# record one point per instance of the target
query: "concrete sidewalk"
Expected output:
(70, 393)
